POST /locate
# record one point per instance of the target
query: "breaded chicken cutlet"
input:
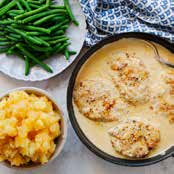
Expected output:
(97, 100)
(130, 76)
(133, 138)
(164, 105)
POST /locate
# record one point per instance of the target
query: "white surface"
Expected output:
(15, 66)
(75, 157)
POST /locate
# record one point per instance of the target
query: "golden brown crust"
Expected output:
(130, 76)
(133, 138)
(165, 108)
(96, 99)
(164, 104)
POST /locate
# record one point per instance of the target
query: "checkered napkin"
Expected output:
(105, 17)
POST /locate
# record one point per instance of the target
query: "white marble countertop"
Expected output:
(75, 157)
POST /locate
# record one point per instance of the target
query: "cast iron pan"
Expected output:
(133, 163)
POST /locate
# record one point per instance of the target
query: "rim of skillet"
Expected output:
(124, 162)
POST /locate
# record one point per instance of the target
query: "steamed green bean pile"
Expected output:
(34, 30)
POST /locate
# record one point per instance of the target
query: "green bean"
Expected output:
(12, 14)
(66, 53)
(7, 30)
(59, 40)
(6, 43)
(41, 1)
(57, 7)
(58, 18)
(6, 8)
(33, 12)
(9, 21)
(55, 27)
(3, 2)
(26, 45)
(12, 38)
(44, 19)
(3, 17)
(27, 66)
(31, 33)
(36, 2)
(41, 49)
(59, 32)
(64, 27)
(47, 38)
(64, 46)
(3, 39)
(1, 33)
(15, 11)
(24, 35)
(10, 50)
(3, 50)
(14, 25)
(31, 39)
(42, 14)
(48, 2)
(57, 48)
(66, 3)
(41, 58)
(34, 5)
(28, 54)
(72, 52)
(25, 4)
(42, 41)
(15, 35)
(19, 5)
(16, 52)
(33, 28)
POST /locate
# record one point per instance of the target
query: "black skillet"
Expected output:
(133, 163)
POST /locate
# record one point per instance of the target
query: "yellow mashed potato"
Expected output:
(28, 127)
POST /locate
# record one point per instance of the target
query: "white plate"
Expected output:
(14, 67)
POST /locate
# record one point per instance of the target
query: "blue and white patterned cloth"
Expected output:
(106, 17)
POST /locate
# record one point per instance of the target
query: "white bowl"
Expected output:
(60, 141)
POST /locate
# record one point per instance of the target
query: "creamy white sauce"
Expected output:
(96, 66)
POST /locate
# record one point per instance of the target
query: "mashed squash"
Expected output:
(28, 128)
